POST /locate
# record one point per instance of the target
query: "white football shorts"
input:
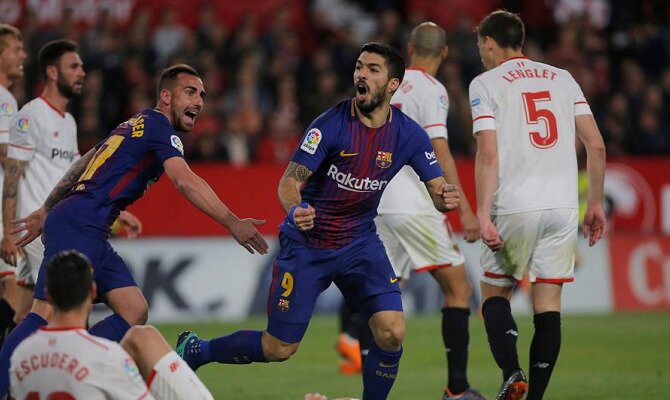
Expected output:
(418, 242)
(172, 379)
(543, 242)
(28, 266)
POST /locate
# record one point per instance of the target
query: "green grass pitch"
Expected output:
(620, 356)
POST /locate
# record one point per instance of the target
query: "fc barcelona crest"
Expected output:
(384, 159)
(283, 305)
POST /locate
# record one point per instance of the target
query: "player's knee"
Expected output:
(277, 350)
(460, 295)
(138, 336)
(138, 315)
(390, 337)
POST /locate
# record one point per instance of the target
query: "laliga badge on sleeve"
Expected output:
(311, 141)
(176, 143)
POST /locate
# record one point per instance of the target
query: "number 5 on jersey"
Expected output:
(534, 115)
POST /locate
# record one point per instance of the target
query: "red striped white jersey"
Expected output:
(425, 100)
(47, 139)
(532, 107)
(69, 364)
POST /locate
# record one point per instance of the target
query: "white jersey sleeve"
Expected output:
(483, 117)
(8, 108)
(23, 137)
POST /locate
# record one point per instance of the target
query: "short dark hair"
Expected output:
(505, 28)
(394, 59)
(69, 277)
(8, 30)
(169, 76)
(51, 53)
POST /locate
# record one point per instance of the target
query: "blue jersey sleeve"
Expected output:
(163, 142)
(423, 160)
(314, 146)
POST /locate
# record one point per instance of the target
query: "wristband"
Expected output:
(292, 210)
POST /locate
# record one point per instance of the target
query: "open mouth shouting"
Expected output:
(361, 90)
(190, 115)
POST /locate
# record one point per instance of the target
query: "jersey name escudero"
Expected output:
(69, 363)
(532, 107)
(352, 166)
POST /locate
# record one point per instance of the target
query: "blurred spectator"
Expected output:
(268, 75)
(168, 35)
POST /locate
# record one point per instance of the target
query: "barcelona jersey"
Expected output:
(125, 164)
(352, 165)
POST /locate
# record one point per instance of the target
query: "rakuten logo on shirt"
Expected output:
(353, 184)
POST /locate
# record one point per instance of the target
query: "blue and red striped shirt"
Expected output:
(125, 164)
(352, 165)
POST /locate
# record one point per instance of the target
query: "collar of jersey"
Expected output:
(60, 328)
(522, 57)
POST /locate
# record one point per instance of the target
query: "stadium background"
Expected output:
(271, 66)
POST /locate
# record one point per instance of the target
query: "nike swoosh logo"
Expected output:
(393, 280)
(343, 154)
(384, 365)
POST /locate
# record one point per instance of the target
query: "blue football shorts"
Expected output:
(361, 270)
(110, 271)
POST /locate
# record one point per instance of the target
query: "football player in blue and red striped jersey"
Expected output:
(330, 192)
(79, 211)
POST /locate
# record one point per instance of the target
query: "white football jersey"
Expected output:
(69, 363)
(532, 107)
(425, 100)
(47, 139)
(8, 108)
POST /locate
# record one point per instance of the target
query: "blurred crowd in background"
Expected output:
(266, 82)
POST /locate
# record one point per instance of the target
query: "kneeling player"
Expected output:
(63, 360)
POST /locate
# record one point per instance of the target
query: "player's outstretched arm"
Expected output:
(14, 170)
(468, 219)
(486, 175)
(201, 195)
(33, 224)
(594, 226)
(302, 214)
(445, 197)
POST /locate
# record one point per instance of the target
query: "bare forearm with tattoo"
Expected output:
(68, 181)
(290, 183)
(14, 170)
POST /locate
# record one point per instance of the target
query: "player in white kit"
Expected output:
(416, 236)
(526, 116)
(12, 56)
(42, 147)
(63, 361)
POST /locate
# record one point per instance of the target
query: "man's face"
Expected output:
(71, 75)
(12, 57)
(371, 82)
(484, 53)
(186, 101)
